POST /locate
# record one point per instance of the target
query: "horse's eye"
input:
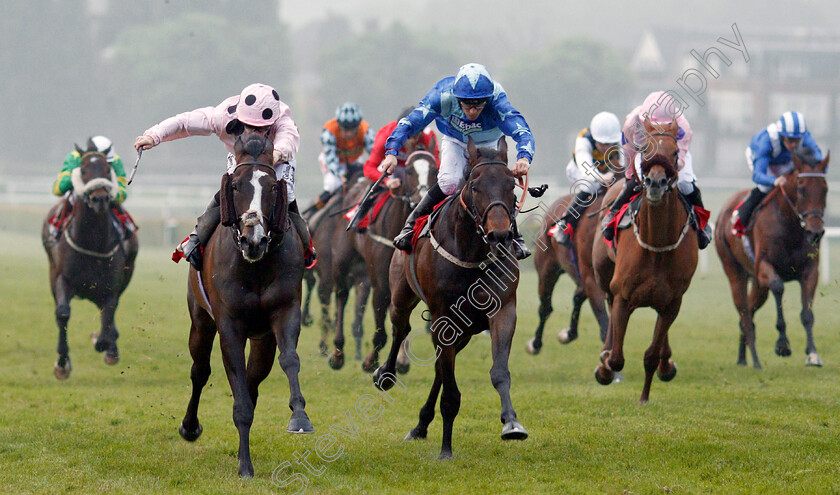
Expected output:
(234, 186)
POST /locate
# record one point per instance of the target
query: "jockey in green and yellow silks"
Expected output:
(64, 182)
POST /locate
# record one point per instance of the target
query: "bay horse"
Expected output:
(248, 289)
(90, 260)
(327, 225)
(652, 264)
(556, 259)
(467, 275)
(376, 246)
(784, 245)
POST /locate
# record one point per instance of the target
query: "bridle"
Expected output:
(234, 227)
(807, 213)
(672, 182)
(472, 210)
(406, 196)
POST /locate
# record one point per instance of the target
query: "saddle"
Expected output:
(699, 216)
(423, 225)
(120, 219)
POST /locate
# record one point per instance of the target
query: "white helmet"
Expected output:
(104, 144)
(605, 128)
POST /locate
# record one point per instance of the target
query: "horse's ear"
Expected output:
(472, 151)
(501, 145)
(281, 210)
(238, 146)
(797, 162)
(79, 150)
(91, 146)
(226, 207)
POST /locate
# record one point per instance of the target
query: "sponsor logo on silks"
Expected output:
(465, 127)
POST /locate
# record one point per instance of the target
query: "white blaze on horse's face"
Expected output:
(253, 218)
(422, 167)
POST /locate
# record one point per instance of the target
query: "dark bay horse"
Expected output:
(327, 227)
(377, 248)
(653, 264)
(468, 276)
(557, 259)
(249, 288)
(784, 246)
(90, 260)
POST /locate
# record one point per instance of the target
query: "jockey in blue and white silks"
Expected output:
(469, 105)
(770, 156)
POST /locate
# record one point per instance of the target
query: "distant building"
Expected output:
(788, 69)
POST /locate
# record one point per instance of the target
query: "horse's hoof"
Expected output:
(531, 348)
(667, 377)
(813, 359)
(62, 372)
(565, 336)
(337, 360)
(403, 368)
(111, 358)
(445, 455)
(381, 381)
(606, 379)
(783, 350)
(369, 366)
(415, 434)
(323, 348)
(619, 378)
(306, 320)
(512, 430)
(742, 362)
(300, 425)
(246, 471)
(190, 435)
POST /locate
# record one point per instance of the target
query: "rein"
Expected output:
(472, 211)
(234, 228)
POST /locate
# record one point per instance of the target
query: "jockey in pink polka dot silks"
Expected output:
(259, 109)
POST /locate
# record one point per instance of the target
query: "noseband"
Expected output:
(235, 230)
(472, 210)
(805, 214)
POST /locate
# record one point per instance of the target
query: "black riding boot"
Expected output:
(520, 249)
(704, 237)
(365, 207)
(570, 219)
(425, 207)
(744, 213)
(628, 191)
(204, 228)
(299, 222)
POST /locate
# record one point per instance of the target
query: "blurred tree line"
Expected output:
(74, 69)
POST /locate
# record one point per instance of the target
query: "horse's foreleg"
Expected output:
(598, 305)
(63, 293)
(612, 355)
(362, 296)
(381, 300)
(202, 335)
(260, 361)
(502, 327)
(658, 354)
(337, 357)
(548, 276)
(808, 283)
(403, 301)
(767, 277)
(232, 342)
(327, 325)
(108, 334)
(567, 335)
(286, 327)
(450, 399)
(427, 412)
(758, 295)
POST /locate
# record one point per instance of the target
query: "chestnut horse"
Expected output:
(653, 263)
(90, 260)
(785, 246)
(249, 288)
(552, 259)
(376, 245)
(467, 275)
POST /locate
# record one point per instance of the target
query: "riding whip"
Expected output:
(367, 194)
(134, 170)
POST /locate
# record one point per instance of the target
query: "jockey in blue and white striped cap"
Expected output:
(770, 156)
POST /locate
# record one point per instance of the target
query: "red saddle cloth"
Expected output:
(374, 212)
(738, 227)
(701, 214)
(420, 223)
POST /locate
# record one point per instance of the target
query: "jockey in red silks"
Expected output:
(660, 108)
(258, 108)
